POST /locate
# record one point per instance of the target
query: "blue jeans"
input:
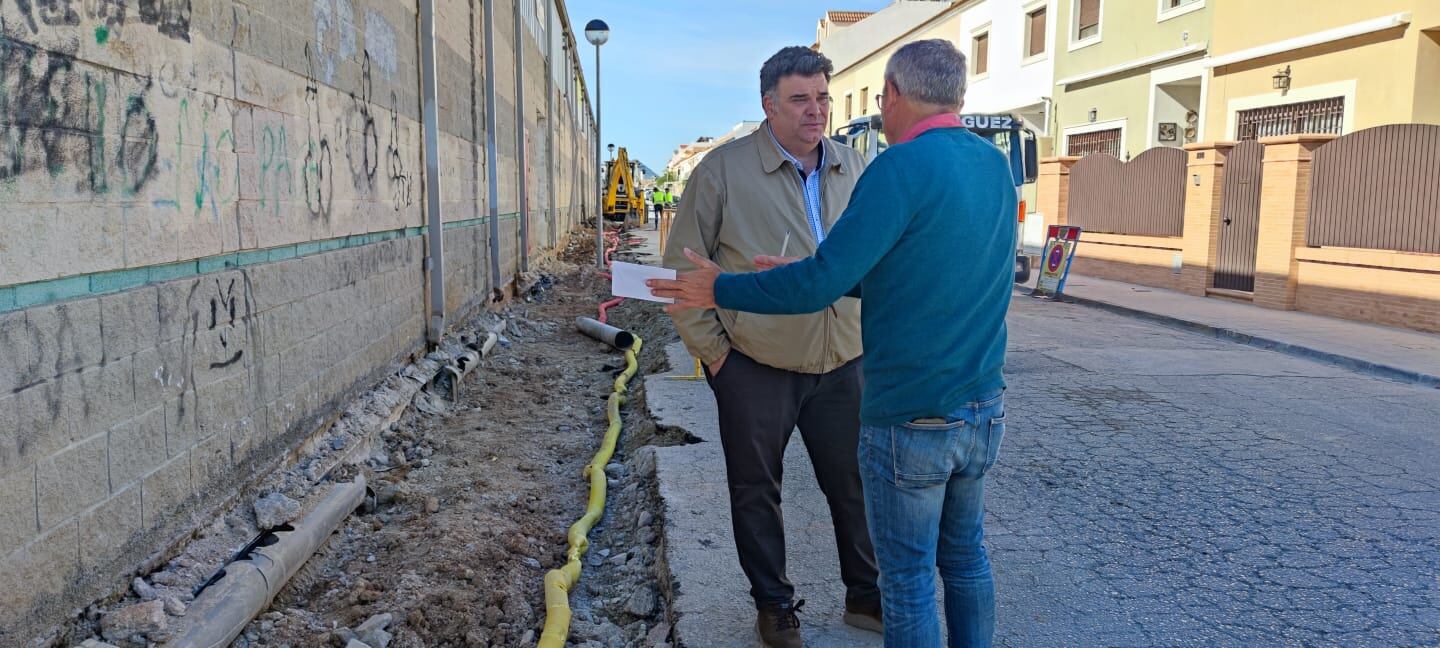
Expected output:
(925, 503)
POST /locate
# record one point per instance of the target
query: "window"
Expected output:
(1172, 8)
(849, 111)
(1035, 32)
(1104, 141)
(1087, 19)
(1321, 116)
(864, 101)
(980, 55)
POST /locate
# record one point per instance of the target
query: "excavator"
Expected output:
(623, 197)
(1006, 132)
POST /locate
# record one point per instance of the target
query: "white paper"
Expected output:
(628, 280)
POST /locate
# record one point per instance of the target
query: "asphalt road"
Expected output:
(1156, 488)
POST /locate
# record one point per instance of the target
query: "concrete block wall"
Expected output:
(212, 233)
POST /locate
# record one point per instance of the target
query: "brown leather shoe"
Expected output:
(778, 625)
(865, 614)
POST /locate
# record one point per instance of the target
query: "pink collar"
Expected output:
(942, 120)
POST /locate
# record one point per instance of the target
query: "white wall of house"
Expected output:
(849, 45)
(1014, 81)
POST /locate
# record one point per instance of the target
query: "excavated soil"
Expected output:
(472, 504)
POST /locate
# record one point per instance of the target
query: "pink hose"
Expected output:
(613, 238)
(606, 306)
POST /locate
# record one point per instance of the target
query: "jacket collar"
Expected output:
(771, 158)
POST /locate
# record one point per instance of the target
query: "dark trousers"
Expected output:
(759, 407)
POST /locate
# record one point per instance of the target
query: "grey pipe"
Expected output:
(550, 123)
(435, 257)
(610, 335)
(520, 152)
(248, 586)
(599, 175)
(492, 162)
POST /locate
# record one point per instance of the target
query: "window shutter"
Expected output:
(1089, 13)
(1037, 33)
(982, 54)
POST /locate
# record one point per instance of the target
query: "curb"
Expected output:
(1220, 332)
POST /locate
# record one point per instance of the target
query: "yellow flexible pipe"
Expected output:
(559, 581)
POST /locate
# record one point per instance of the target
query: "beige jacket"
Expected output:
(739, 203)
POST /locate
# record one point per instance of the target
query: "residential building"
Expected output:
(1007, 43)
(688, 156)
(1131, 75)
(1282, 67)
(833, 22)
(853, 49)
(1009, 46)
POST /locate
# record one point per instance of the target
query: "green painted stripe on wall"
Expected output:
(44, 292)
(216, 263)
(253, 257)
(98, 283)
(118, 280)
(172, 271)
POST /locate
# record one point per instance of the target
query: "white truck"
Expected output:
(1007, 132)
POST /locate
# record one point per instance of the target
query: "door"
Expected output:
(1240, 218)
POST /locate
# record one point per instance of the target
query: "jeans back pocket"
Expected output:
(926, 454)
(995, 437)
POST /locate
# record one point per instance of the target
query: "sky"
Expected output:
(675, 70)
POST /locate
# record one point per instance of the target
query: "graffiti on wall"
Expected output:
(150, 137)
(395, 161)
(318, 172)
(276, 182)
(362, 145)
(335, 32)
(169, 17)
(380, 43)
(56, 111)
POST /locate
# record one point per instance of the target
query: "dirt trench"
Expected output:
(474, 497)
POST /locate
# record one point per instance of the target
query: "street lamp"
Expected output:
(611, 149)
(597, 32)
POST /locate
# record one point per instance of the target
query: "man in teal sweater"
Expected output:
(928, 241)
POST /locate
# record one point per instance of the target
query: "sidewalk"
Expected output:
(711, 601)
(711, 604)
(1382, 351)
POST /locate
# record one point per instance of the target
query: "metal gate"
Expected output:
(1240, 218)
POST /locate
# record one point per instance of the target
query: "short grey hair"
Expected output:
(791, 61)
(932, 71)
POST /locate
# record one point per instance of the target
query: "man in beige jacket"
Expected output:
(774, 192)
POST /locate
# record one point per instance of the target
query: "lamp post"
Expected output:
(597, 32)
(611, 149)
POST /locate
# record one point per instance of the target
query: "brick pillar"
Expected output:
(1284, 209)
(1052, 189)
(1205, 176)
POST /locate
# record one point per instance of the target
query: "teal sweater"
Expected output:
(928, 239)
